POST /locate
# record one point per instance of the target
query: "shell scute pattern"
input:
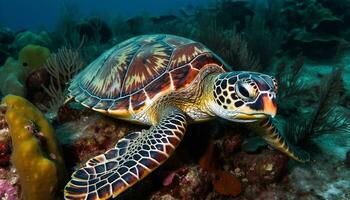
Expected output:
(155, 58)
(131, 74)
(185, 53)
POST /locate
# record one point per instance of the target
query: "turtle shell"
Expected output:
(135, 72)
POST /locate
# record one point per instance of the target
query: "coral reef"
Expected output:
(264, 168)
(12, 77)
(14, 73)
(27, 37)
(35, 153)
(315, 29)
(61, 66)
(226, 184)
(5, 153)
(35, 83)
(7, 190)
(300, 42)
(88, 134)
(187, 183)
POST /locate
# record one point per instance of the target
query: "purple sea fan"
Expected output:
(7, 190)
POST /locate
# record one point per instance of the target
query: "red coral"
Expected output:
(207, 161)
(226, 184)
(231, 144)
(5, 153)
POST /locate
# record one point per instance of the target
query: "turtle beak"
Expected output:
(270, 106)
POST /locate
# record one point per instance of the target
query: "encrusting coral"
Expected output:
(35, 153)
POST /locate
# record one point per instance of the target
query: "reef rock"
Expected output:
(266, 167)
(185, 183)
(85, 134)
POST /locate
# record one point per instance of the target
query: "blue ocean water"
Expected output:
(20, 14)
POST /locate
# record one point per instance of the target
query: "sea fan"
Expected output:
(62, 66)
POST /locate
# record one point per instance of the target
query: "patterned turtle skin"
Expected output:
(165, 81)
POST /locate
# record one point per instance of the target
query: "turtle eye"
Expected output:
(246, 91)
(275, 84)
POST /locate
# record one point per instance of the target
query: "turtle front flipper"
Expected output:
(274, 138)
(132, 158)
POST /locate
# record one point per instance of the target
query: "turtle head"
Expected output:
(243, 96)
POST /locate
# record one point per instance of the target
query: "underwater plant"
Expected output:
(262, 42)
(228, 44)
(65, 34)
(325, 117)
(289, 83)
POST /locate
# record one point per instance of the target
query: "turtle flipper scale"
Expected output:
(275, 139)
(132, 158)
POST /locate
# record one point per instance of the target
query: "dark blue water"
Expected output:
(20, 14)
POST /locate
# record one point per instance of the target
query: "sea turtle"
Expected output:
(164, 81)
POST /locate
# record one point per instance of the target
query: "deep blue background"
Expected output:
(34, 14)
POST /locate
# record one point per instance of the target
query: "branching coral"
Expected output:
(62, 66)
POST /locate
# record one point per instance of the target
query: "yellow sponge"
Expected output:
(33, 57)
(35, 152)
